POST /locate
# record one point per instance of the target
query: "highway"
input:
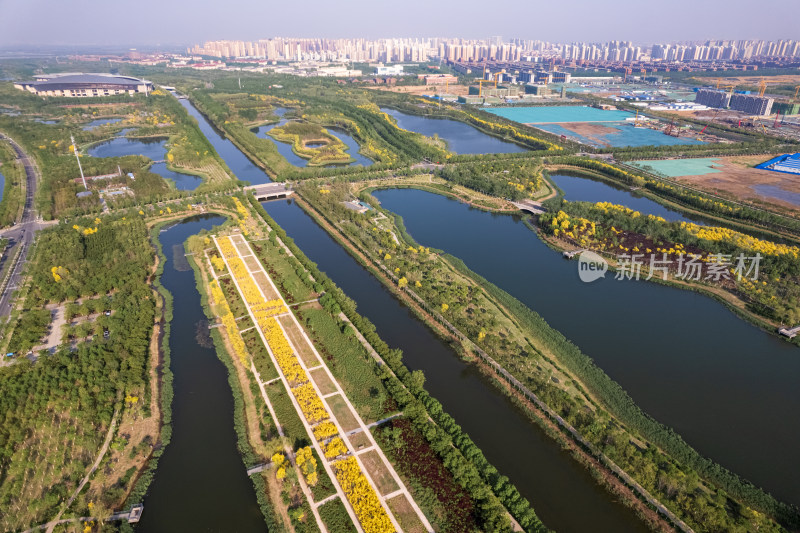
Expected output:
(23, 233)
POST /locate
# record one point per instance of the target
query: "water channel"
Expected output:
(727, 387)
(555, 484)
(201, 483)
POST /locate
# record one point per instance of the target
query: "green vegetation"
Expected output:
(772, 291)
(57, 410)
(693, 487)
(687, 198)
(14, 188)
(510, 179)
(490, 491)
(302, 137)
(159, 116)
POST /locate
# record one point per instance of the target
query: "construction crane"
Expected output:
(627, 71)
(480, 86)
(710, 121)
(776, 125)
(762, 87)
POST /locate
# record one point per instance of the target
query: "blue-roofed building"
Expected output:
(79, 85)
(789, 163)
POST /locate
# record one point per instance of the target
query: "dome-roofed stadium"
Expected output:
(72, 85)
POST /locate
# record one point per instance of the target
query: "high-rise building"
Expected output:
(751, 104)
(712, 98)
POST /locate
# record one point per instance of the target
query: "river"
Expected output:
(201, 483)
(581, 189)
(727, 387)
(461, 138)
(242, 167)
(556, 485)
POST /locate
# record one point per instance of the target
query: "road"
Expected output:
(23, 233)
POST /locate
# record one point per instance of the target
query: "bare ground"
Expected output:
(737, 178)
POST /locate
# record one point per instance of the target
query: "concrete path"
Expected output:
(239, 241)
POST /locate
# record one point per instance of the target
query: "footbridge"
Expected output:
(269, 191)
(530, 206)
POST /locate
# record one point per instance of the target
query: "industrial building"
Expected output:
(538, 90)
(746, 103)
(438, 79)
(389, 70)
(79, 85)
(712, 98)
(501, 91)
(752, 105)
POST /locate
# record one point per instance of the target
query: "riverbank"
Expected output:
(578, 363)
(670, 204)
(553, 424)
(391, 358)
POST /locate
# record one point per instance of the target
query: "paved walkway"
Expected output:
(239, 241)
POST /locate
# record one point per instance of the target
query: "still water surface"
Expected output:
(727, 387)
(201, 483)
(564, 494)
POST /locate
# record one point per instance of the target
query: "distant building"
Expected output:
(538, 90)
(389, 70)
(561, 77)
(713, 98)
(74, 85)
(438, 79)
(750, 104)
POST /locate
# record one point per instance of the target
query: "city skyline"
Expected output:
(180, 23)
(495, 49)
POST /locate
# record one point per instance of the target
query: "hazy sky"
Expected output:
(130, 22)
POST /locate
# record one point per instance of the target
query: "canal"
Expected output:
(563, 493)
(728, 388)
(555, 483)
(200, 484)
(242, 167)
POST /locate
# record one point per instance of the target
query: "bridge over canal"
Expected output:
(269, 191)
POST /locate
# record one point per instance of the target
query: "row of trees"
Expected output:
(464, 459)
(664, 475)
(689, 198)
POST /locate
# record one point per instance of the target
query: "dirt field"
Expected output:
(756, 79)
(458, 90)
(590, 131)
(737, 177)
